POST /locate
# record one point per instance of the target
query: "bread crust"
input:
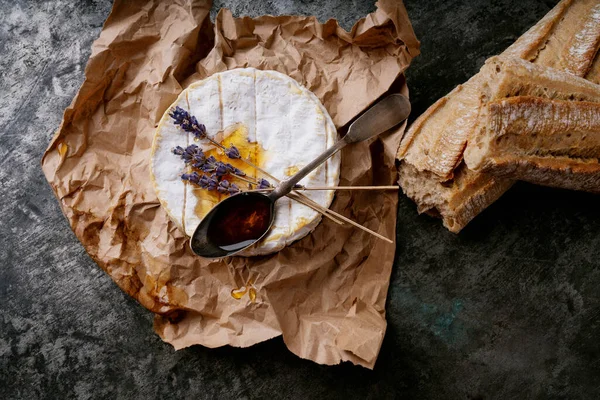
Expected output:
(559, 172)
(435, 142)
(547, 142)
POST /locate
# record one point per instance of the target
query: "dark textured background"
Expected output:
(509, 308)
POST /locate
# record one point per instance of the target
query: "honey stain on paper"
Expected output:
(249, 288)
(165, 292)
(62, 149)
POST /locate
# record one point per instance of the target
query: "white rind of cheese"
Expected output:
(166, 168)
(283, 117)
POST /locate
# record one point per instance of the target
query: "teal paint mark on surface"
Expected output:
(442, 321)
(448, 327)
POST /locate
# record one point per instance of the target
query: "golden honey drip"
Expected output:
(239, 293)
(249, 288)
(62, 149)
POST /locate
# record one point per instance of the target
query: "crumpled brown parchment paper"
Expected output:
(325, 293)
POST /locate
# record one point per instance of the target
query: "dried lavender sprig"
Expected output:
(211, 183)
(193, 154)
(211, 165)
(188, 122)
(205, 182)
(220, 168)
(226, 187)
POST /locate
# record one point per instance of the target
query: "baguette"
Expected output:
(435, 158)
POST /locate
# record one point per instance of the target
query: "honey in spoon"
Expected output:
(240, 221)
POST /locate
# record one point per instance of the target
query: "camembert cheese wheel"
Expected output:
(277, 124)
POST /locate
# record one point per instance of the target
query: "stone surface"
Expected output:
(510, 308)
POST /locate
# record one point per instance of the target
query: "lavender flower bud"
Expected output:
(188, 122)
(199, 157)
(221, 169)
(178, 150)
(201, 131)
(193, 177)
(235, 171)
(234, 189)
(190, 152)
(223, 186)
(206, 167)
(203, 182)
(232, 152)
(263, 184)
(213, 182)
(209, 164)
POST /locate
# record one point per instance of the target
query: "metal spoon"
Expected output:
(384, 115)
